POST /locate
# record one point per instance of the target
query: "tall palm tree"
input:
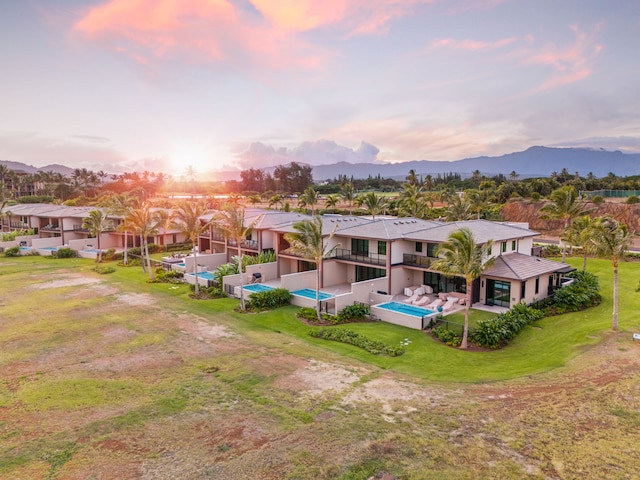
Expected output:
(332, 201)
(580, 233)
(374, 203)
(308, 243)
(144, 221)
(310, 199)
(230, 221)
(97, 222)
(612, 239)
(122, 204)
(349, 195)
(563, 205)
(459, 208)
(186, 219)
(412, 178)
(460, 255)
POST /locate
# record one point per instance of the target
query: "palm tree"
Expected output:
(459, 209)
(413, 202)
(310, 199)
(308, 243)
(332, 200)
(412, 178)
(580, 233)
(374, 203)
(459, 255)
(230, 221)
(121, 205)
(349, 195)
(144, 221)
(563, 205)
(612, 239)
(186, 219)
(97, 222)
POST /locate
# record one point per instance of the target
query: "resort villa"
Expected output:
(383, 262)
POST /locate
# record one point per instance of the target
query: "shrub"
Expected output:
(102, 270)
(12, 251)
(446, 336)
(597, 200)
(633, 199)
(308, 313)
(64, 252)
(109, 255)
(350, 337)
(168, 276)
(583, 293)
(269, 299)
(353, 312)
(496, 332)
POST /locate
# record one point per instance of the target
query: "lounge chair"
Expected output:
(422, 301)
(435, 304)
(451, 301)
(416, 295)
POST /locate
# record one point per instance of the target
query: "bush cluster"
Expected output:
(12, 252)
(447, 336)
(64, 252)
(350, 337)
(168, 276)
(583, 293)
(351, 313)
(308, 313)
(103, 270)
(269, 299)
(497, 331)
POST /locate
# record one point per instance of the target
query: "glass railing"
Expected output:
(370, 258)
(418, 260)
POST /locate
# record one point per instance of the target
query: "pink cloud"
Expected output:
(569, 64)
(470, 45)
(209, 31)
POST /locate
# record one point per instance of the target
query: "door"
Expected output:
(498, 293)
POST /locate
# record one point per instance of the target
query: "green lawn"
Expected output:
(548, 344)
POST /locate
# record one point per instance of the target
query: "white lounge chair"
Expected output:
(422, 301)
(435, 304)
(416, 295)
(451, 301)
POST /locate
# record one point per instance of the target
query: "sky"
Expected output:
(161, 85)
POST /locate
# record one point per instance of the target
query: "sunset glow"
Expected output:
(130, 84)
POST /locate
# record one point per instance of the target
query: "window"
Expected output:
(513, 245)
(537, 285)
(431, 249)
(523, 290)
(504, 247)
(382, 248)
(368, 273)
(359, 246)
(419, 247)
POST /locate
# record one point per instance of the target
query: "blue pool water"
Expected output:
(257, 287)
(406, 309)
(53, 249)
(310, 293)
(205, 275)
(91, 250)
(25, 248)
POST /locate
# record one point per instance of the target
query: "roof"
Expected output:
(517, 266)
(385, 228)
(483, 231)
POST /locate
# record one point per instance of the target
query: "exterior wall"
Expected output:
(334, 273)
(400, 318)
(296, 281)
(404, 277)
(525, 245)
(269, 271)
(269, 240)
(205, 262)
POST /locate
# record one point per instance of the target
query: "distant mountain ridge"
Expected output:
(534, 162)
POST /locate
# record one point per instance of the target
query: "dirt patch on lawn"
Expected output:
(316, 377)
(66, 281)
(136, 299)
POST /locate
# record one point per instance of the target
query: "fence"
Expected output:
(456, 328)
(611, 193)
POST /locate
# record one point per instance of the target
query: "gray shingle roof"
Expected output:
(517, 266)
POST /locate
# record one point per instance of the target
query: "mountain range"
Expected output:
(534, 162)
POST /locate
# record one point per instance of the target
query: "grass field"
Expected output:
(107, 376)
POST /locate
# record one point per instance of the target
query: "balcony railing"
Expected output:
(369, 258)
(417, 260)
(250, 244)
(217, 237)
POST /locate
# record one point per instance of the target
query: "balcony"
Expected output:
(247, 244)
(361, 257)
(417, 260)
(217, 237)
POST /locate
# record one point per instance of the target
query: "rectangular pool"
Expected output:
(203, 275)
(310, 293)
(406, 309)
(257, 287)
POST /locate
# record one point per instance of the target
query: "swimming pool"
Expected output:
(257, 287)
(204, 275)
(91, 250)
(53, 249)
(406, 309)
(310, 293)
